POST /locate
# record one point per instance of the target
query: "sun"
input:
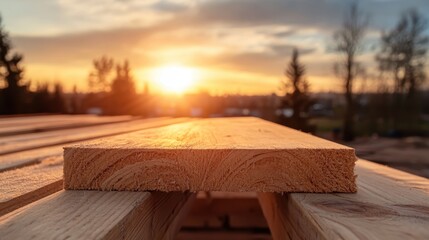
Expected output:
(175, 78)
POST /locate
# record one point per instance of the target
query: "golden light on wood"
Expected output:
(175, 78)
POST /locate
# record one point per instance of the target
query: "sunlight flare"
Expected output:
(175, 78)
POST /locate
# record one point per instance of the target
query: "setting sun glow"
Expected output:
(175, 78)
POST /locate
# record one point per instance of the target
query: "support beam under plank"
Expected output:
(389, 204)
(99, 215)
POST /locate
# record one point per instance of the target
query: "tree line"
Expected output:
(111, 93)
(395, 106)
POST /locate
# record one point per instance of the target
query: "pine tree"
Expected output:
(11, 72)
(297, 97)
(123, 92)
(57, 102)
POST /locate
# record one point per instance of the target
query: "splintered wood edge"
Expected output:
(251, 170)
(99, 215)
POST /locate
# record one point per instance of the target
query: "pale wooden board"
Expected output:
(98, 215)
(228, 154)
(28, 119)
(389, 204)
(67, 122)
(28, 184)
(40, 173)
(23, 158)
(23, 142)
(43, 119)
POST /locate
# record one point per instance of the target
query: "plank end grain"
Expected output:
(229, 154)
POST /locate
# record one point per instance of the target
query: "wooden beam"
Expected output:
(24, 158)
(21, 159)
(17, 143)
(22, 186)
(19, 120)
(71, 121)
(99, 215)
(229, 154)
(389, 204)
(30, 175)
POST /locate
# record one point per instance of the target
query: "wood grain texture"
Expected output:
(57, 123)
(30, 175)
(34, 156)
(17, 143)
(389, 204)
(22, 186)
(22, 120)
(30, 157)
(230, 154)
(98, 215)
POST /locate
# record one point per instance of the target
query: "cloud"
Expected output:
(167, 6)
(286, 49)
(282, 34)
(251, 36)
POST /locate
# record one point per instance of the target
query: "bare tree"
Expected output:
(296, 97)
(348, 43)
(98, 80)
(402, 57)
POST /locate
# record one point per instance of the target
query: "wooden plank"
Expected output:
(230, 154)
(389, 204)
(41, 174)
(23, 142)
(71, 122)
(99, 215)
(27, 119)
(24, 158)
(22, 186)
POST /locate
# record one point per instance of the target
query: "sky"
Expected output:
(233, 46)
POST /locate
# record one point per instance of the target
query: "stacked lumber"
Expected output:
(33, 205)
(22, 125)
(389, 204)
(98, 215)
(34, 174)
